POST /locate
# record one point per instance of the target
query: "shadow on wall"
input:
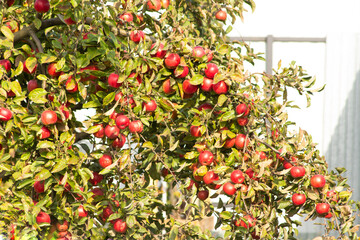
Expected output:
(343, 151)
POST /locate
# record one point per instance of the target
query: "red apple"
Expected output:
(210, 70)
(82, 212)
(39, 186)
(209, 54)
(172, 61)
(137, 36)
(97, 178)
(122, 121)
(69, 21)
(105, 160)
(62, 226)
(298, 199)
(202, 195)
(229, 143)
(287, 165)
(210, 177)
(322, 208)
(71, 85)
(297, 172)
(25, 69)
(42, 6)
(6, 64)
(44, 133)
(195, 131)
(32, 84)
(188, 88)
(112, 131)
(229, 189)
(205, 106)
(5, 114)
(221, 15)
(165, 3)
(251, 222)
(43, 217)
(10, 2)
(181, 71)
(154, 5)
(198, 52)
(242, 121)
(220, 87)
(107, 212)
(150, 106)
(206, 158)
(101, 132)
(242, 109)
(241, 141)
(332, 195)
(167, 87)
(91, 77)
(237, 176)
(48, 117)
(317, 181)
(138, 78)
(113, 80)
(136, 126)
(119, 141)
(127, 17)
(119, 226)
(160, 52)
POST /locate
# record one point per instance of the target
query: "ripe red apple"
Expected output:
(137, 36)
(62, 226)
(297, 172)
(243, 188)
(127, 17)
(203, 194)
(122, 121)
(6, 64)
(242, 121)
(105, 160)
(198, 52)
(181, 71)
(221, 15)
(210, 70)
(332, 194)
(10, 2)
(188, 88)
(71, 85)
(220, 87)
(138, 78)
(112, 80)
(119, 226)
(25, 69)
(5, 114)
(210, 177)
(107, 212)
(119, 141)
(195, 131)
(209, 54)
(136, 126)
(48, 117)
(69, 21)
(206, 107)
(172, 61)
(207, 85)
(229, 143)
(192, 182)
(242, 109)
(39, 186)
(165, 3)
(82, 212)
(322, 208)
(229, 188)
(43, 217)
(160, 52)
(237, 176)
(287, 165)
(32, 84)
(42, 6)
(251, 222)
(44, 133)
(97, 192)
(97, 178)
(150, 106)
(101, 132)
(206, 158)
(317, 181)
(275, 134)
(112, 131)
(154, 5)
(167, 87)
(298, 199)
(241, 141)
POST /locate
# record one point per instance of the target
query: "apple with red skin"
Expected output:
(136, 126)
(127, 17)
(48, 117)
(221, 15)
(242, 109)
(206, 158)
(101, 132)
(251, 222)
(229, 188)
(71, 85)
(262, 155)
(205, 106)
(122, 121)
(137, 36)
(5, 114)
(287, 165)
(96, 179)
(6, 64)
(62, 226)
(172, 61)
(43, 217)
(167, 87)
(317, 181)
(237, 176)
(119, 226)
(209, 54)
(39, 186)
(250, 173)
(82, 212)
(198, 52)
(220, 87)
(52, 70)
(154, 7)
(165, 3)
(192, 182)
(188, 88)
(241, 141)
(97, 192)
(229, 143)
(332, 195)
(322, 208)
(150, 106)
(297, 171)
(203, 194)
(138, 78)
(65, 112)
(105, 160)
(195, 131)
(113, 80)
(243, 188)
(44, 132)
(275, 134)
(107, 212)
(112, 131)
(298, 199)
(242, 121)
(210, 70)
(42, 6)
(119, 142)
(10, 2)
(181, 71)
(69, 21)
(160, 52)
(210, 177)
(32, 84)
(25, 69)
(207, 85)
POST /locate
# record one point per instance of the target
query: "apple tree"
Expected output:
(171, 102)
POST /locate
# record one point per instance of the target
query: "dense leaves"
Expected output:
(172, 103)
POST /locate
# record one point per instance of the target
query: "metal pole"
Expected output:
(269, 53)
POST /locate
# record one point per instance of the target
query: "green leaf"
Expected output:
(197, 79)
(19, 69)
(30, 63)
(7, 33)
(37, 23)
(62, 163)
(47, 58)
(148, 145)
(92, 104)
(222, 98)
(45, 144)
(224, 49)
(109, 98)
(174, 233)
(226, 215)
(15, 87)
(38, 95)
(42, 175)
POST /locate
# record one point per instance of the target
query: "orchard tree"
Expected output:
(173, 103)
